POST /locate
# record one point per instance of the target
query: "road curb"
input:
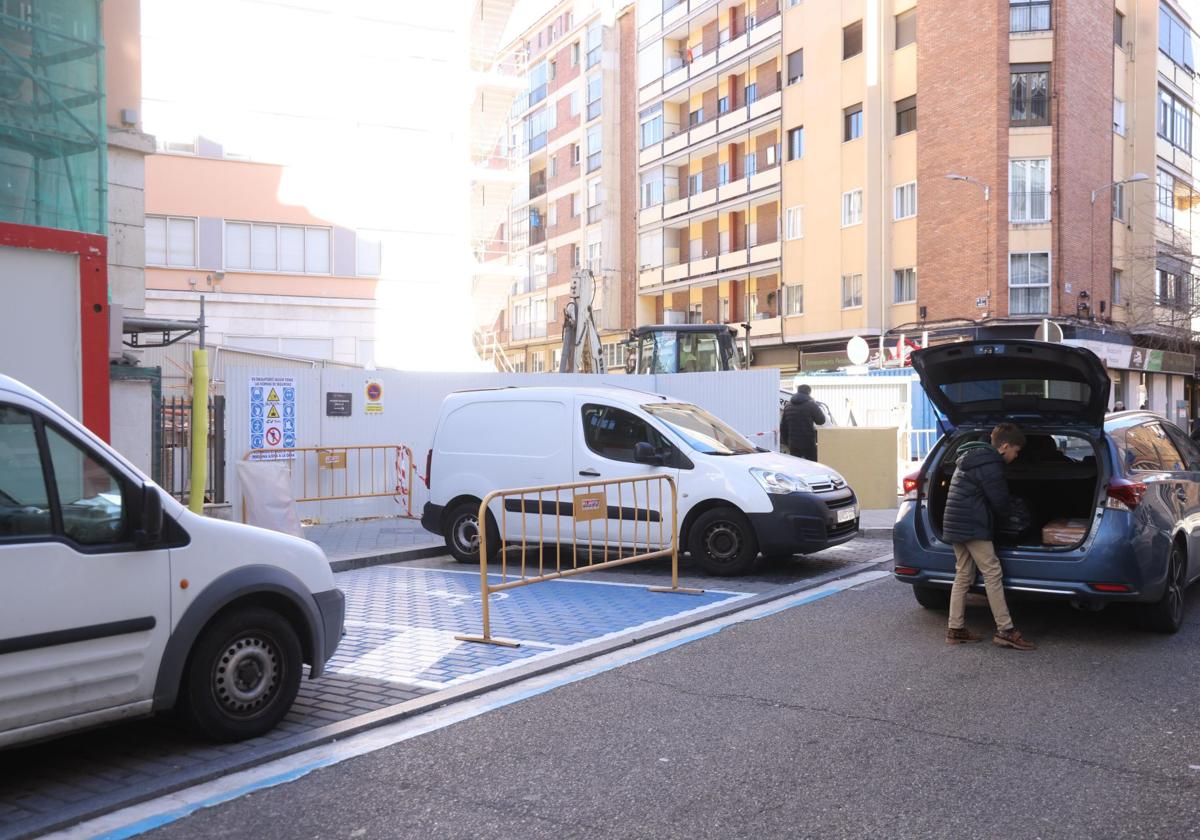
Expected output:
(875, 533)
(400, 711)
(381, 558)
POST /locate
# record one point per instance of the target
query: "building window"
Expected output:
(1116, 287)
(652, 126)
(695, 313)
(537, 362)
(905, 201)
(594, 137)
(722, 174)
(576, 257)
(1029, 284)
(906, 115)
(795, 222)
(552, 269)
(368, 255)
(652, 188)
(1028, 15)
(853, 123)
(1118, 29)
(723, 105)
(1174, 120)
(906, 28)
(594, 38)
(1029, 190)
(552, 215)
(1030, 101)
(1119, 117)
(575, 154)
(283, 248)
(553, 74)
(904, 285)
(852, 208)
(170, 241)
(595, 200)
(1174, 38)
(796, 143)
(576, 205)
(696, 117)
(594, 85)
(795, 67)
(1166, 197)
(1118, 202)
(852, 40)
(851, 291)
(573, 106)
(793, 299)
(751, 93)
(1170, 288)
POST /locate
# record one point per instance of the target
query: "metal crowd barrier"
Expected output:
(612, 530)
(336, 473)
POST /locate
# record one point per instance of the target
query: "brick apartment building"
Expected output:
(780, 161)
(553, 192)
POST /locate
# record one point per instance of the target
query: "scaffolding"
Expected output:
(53, 152)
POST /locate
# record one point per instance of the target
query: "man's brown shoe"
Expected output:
(1012, 638)
(960, 635)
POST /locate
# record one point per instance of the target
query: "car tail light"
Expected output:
(912, 486)
(1124, 494)
(1110, 587)
(428, 467)
(906, 570)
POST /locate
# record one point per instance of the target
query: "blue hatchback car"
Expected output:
(1124, 489)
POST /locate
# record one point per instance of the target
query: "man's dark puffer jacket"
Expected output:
(978, 495)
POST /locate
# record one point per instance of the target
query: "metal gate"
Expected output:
(175, 448)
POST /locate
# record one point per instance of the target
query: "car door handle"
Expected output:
(589, 473)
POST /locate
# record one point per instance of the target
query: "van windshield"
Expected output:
(700, 430)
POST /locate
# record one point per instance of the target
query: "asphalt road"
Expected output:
(846, 717)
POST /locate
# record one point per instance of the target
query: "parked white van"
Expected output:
(117, 602)
(735, 500)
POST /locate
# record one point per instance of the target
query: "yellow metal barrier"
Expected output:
(337, 473)
(630, 529)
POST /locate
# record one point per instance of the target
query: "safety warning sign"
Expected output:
(374, 395)
(272, 417)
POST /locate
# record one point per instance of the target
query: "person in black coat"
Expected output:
(797, 427)
(978, 499)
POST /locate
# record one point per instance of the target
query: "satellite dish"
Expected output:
(1049, 331)
(858, 350)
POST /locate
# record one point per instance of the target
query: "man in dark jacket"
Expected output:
(978, 499)
(797, 427)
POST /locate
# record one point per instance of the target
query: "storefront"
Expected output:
(1159, 380)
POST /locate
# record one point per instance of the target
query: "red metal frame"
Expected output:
(92, 250)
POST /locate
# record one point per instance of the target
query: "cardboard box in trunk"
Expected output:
(1063, 531)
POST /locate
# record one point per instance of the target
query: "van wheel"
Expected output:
(723, 541)
(242, 675)
(462, 533)
(1166, 614)
(932, 599)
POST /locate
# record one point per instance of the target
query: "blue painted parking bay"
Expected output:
(401, 621)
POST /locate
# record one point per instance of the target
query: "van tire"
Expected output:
(256, 646)
(460, 521)
(931, 598)
(723, 541)
(1166, 614)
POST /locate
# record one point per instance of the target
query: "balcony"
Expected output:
(711, 185)
(537, 184)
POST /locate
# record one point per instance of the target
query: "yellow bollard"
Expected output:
(199, 431)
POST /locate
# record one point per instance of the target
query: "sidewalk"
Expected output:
(362, 542)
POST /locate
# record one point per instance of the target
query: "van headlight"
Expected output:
(779, 483)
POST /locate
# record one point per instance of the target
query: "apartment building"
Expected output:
(786, 181)
(569, 138)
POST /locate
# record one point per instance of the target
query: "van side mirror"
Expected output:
(645, 453)
(150, 517)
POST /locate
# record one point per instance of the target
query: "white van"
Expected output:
(117, 602)
(735, 500)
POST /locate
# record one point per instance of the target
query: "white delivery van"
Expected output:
(735, 500)
(116, 601)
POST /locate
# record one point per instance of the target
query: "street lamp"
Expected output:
(987, 226)
(1132, 179)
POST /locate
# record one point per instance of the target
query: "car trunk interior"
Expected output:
(1056, 476)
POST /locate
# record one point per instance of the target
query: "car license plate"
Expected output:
(845, 515)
